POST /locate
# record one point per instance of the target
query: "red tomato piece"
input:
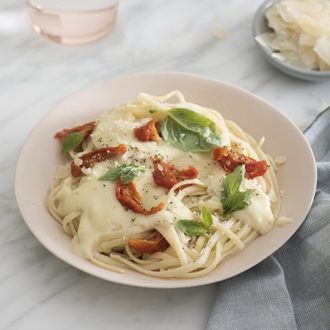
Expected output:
(229, 160)
(96, 156)
(167, 175)
(85, 129)
(129, 197)
(156, 243)
(147, 132)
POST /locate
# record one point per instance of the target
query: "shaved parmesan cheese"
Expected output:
(283, 221)
(301, 33)
(322, 48)
(280, 160)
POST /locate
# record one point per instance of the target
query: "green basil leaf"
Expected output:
(233, 181)
(189, 131)
(126, 173)
(129, 172)
(238, 201)
(231, 197)
(111, 175)
(207, 217)
(191, 228)
(72, 141)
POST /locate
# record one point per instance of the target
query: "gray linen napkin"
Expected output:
(290, 289)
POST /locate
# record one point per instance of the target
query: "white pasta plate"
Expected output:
(35, 170)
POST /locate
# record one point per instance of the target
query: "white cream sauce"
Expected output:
(101, 211)
(259, 214)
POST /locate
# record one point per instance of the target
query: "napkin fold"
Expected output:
(291, 288)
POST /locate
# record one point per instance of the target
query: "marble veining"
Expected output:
(36, 289)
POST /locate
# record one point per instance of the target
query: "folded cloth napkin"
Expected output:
(290, 289)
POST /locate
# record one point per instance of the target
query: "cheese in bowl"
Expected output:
(162, 186)
(300, 33)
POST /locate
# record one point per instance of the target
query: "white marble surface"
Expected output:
(36, 289)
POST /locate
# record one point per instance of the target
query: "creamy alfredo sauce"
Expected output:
(100, 210)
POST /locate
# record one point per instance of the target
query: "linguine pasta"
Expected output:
(103, 229)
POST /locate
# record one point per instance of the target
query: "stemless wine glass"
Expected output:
(72, 21)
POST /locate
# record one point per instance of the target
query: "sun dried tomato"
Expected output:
(91, 158)
(229, 160)
(129, 197)
(85, 129)
(147, 132)
(155, 243)
(167, 175)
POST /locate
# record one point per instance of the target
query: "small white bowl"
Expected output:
(40, 156)
(259, 27)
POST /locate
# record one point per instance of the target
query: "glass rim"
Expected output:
(38, 7)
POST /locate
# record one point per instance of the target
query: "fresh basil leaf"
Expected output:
(111, 175)
(126, 173)
(72, 141)
(191, 228)
(233, 181)
(189, 131)
(207, 217)
(238, 201)
(231, 197)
